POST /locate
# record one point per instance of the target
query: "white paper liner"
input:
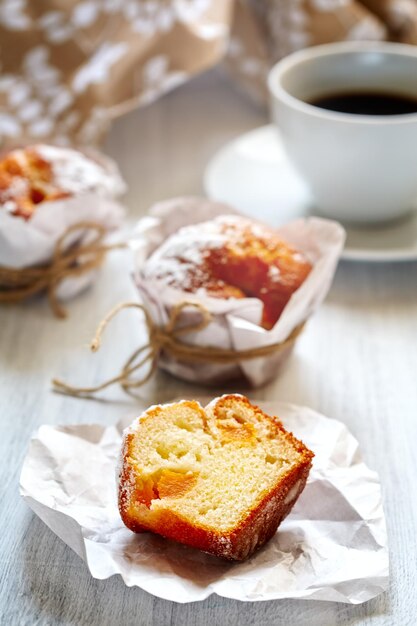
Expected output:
(235, 323)
(332, 546)
(25, 243)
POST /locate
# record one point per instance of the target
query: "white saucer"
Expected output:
(253, 174)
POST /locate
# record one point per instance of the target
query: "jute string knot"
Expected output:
(167, 339)
(69, 260)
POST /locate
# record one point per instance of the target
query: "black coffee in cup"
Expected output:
(367, 103)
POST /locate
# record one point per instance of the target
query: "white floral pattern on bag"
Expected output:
(328, 5)
(62, 86)
(13, 16)
(157, 78)
(290, 25)
(35, 98)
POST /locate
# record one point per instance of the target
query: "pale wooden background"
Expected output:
(356, 361)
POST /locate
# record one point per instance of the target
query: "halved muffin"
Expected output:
(219, 478)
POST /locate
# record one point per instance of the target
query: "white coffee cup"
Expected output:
(360, 168)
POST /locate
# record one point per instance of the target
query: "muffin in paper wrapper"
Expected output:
(235, 323)
(31, 243)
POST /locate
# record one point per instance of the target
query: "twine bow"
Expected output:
(67, 261)
(167, 339)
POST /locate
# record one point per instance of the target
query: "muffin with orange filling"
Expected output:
(42, 173)
(231, 257)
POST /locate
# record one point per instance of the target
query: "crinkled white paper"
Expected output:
(32, 242)
(235, 322)
(332, 546)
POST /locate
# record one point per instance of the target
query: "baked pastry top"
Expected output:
(41, 173)
(219, 478)
(231, 257)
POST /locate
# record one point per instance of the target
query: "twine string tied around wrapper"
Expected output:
(167, 338)
(69, 260)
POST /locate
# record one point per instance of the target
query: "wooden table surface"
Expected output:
(356, 362)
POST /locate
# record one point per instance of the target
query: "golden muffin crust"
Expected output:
(219, 478)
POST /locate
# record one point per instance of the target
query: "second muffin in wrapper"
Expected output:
(89, 184)
(235, 323)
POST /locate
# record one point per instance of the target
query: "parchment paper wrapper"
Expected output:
(235, 323)
(28, 243)
(332, 546)
(69, 68)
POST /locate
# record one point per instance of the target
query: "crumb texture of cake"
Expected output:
(231, 257)
(219, 478)
(40, 173)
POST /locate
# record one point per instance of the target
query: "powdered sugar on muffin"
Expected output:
(230, 257)
(42, 173)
